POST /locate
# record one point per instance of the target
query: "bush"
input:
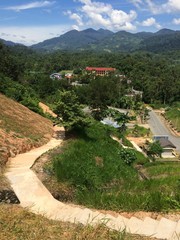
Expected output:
(32, 104)
(20, 93)
(139, 131)
(127, 155)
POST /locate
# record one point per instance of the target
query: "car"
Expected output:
(56, 76)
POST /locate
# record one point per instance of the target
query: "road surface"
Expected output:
(158, 128)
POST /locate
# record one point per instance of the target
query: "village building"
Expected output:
(100, 71)
(134, 93)
(167, 145)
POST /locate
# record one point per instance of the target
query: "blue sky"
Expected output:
(30, 22)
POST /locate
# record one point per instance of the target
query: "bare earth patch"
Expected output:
(20, 131)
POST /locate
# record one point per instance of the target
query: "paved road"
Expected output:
(158, 128)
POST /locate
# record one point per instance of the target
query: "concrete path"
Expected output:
(34, 196)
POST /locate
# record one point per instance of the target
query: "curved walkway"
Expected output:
(34, 196)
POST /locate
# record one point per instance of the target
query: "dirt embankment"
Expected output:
(20, 129)
(46, 109)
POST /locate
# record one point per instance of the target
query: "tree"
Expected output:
(154, 149)
(120, 118)
(69, 111)
(102, 92)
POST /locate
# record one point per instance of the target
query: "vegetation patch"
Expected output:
(138, 131)
(102, 175)
(173, 115)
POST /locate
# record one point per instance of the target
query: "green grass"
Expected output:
(173, 114)
(138, 131)
(92, 165)
(140, 158)
(161, 169)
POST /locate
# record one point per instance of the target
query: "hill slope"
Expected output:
(20, 129)
(162, 41)
(73, 40)
(104, 40)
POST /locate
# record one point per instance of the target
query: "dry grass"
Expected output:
(20, 130)
(18, 224)
(16, 118)
(4, 183)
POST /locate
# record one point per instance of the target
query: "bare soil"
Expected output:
(46, 109)
(20, 131)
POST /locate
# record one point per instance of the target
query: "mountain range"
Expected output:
(9, 43)
(108, 41)
(105, 40)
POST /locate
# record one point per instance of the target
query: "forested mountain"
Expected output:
(74, 39)
(105, 40)
(162, 41)
(121, 41)
(9, 43)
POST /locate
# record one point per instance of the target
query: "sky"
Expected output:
(33, 21)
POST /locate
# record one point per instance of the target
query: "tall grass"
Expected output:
(92, 165)
(173, 114)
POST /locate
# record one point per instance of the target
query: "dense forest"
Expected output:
(24, 76)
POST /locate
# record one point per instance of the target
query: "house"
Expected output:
(167, 145)
(100, 71)
(69, 75)
(133, 93)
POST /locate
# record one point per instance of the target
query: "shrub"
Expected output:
(127, 155)
(32, 104)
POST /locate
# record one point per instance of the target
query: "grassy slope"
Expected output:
(173, 115)
(93, 167)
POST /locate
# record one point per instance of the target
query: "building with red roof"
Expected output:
(100, 70)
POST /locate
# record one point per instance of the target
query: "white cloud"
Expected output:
(150, 22)
(169, 7)
(99, 14)
(76, 17)
(176, 21)
(75, 27)
(174, 5)
(37, 4)
(31, 34)
(137, 3)
(154, 6)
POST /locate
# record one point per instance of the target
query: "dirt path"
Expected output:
(46, 109)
